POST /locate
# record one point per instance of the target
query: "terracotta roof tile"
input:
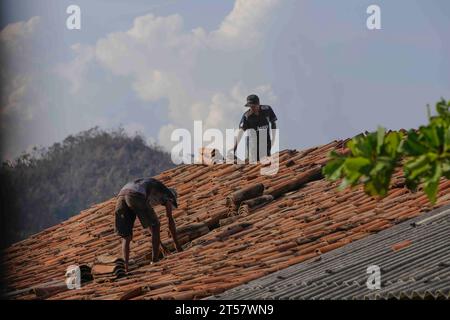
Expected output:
(307, 218)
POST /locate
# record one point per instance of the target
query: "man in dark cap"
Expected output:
(137, 198)
(258, 118)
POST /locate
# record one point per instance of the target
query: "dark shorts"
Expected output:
(127, 208)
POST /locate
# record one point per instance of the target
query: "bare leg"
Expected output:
(126, 250)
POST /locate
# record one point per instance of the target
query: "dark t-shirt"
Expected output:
(143, 186)
(259, 122)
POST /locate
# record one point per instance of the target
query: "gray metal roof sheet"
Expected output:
(418, 271)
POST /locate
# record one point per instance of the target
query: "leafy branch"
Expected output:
(373, 157)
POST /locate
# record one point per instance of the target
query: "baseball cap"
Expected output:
(252, 100)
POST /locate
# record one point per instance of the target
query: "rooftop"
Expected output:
(300, 224)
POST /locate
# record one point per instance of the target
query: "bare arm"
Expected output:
(172, 227)
(126, 250)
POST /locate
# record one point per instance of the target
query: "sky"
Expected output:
(155, 66)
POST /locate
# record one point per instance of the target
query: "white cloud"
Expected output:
(14, 36)
(19, 93)
(165, 62)
(153, 86)
(16, 64)
(75, 71)
(195, 73)
(245, 24)
(15, 94)
(165, 133)
(134, 128)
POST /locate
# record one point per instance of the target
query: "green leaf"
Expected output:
(374, 156)
(379, 168)
(432, 183)
(443, 108)
(344, 184)
(432, 156)
(392, 143)
(380, 138)
(357, 164)
(411, 184)
(447, 139)
(351, 179)
(412, 145)
(363, 146)
(333, 169)
(446, 168)
(378, 185)
(431, 135)
(417, 166)
(371, 189)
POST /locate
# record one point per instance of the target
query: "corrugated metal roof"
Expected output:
(413, 257)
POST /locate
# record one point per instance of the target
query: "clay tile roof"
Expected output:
(306, 218)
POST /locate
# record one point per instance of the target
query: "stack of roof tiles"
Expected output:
(108, 268)
(302, 217)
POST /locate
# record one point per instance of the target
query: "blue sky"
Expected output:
(154, 66)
